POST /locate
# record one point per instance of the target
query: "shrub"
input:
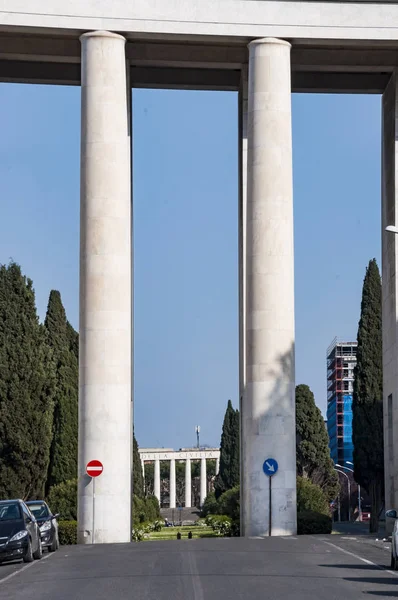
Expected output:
(152, 508)
(210, 505)
(221, 524)
(67, 531)
(62, 499)
(235, 528)
(310, 497)
(137, 534)
(310, 522)
(139, 510)
(209, 520)
(229, 503)
(200, 523)
(145, 510)
(157, 526)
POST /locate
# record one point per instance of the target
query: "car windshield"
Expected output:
(10, 511)
(39, 510)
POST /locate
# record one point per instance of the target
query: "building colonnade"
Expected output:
(155, 456)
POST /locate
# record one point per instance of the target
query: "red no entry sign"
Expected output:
(94, 468)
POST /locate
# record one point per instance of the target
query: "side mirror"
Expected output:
(29, 520)
(392, 514)
(56, 516)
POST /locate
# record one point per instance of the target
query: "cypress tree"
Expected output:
(63, 454)
(73, 338)
(138, 479)
(367, 406)
(312, 444)
(26, 389)
(228, 476)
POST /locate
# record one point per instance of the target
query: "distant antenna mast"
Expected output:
(197, 431)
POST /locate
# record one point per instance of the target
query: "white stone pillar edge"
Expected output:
(268, 407)
(105, 318)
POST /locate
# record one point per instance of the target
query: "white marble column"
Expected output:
(242, 146)
(172, 483)
(105, 414)
(188, 483)
(390, 291)
(156, 481)
(268, 406)
(203, 481)
(217, 465)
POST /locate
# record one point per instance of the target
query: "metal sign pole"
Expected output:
(270, 467)
(270, 506)
(93, 535)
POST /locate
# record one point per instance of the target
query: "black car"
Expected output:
(19, 533)
(47, 523)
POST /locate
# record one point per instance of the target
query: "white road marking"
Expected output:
(35, 562)
(364, 560)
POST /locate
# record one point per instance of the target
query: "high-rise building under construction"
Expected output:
(341, 359)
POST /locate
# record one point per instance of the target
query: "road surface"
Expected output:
(304, 568)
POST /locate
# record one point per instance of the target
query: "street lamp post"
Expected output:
(349, 488)
(359, 492)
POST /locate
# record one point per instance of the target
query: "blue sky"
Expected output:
(185, 242)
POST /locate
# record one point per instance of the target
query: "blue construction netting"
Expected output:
(348, 447)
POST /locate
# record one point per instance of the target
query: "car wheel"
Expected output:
(28, 558)
(39, 552)
(54, 544)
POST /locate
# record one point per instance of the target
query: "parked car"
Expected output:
(47, 523)
(19, 532)
(393, 514)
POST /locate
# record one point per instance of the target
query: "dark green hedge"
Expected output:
(310, 522)
(67, 532)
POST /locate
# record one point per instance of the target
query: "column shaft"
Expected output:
(268, 406)
(242, 145)
(188, 484)
(105, 291)
(203, 481)
(143, 474)
(390, 290)
(217, 465)
(172, 483)
(156, 483)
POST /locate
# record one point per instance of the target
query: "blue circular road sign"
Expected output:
(270, 467)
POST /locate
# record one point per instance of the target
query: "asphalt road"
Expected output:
(305, 568)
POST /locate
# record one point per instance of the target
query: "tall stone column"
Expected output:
(188, 484)
(143, 473)
(242, 206)
(217, 465)
(172, 483)
(156, 483)
(268, 406)
(390, 291)
(203, 481)
(105, 291)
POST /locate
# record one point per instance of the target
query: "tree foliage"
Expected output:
(312, 444)
(62, 499)
(138, 478)
(62, 340)
(368, 395)
(26, 389)
(228, 476)
(311, 497)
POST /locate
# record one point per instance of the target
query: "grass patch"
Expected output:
(170, 533)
